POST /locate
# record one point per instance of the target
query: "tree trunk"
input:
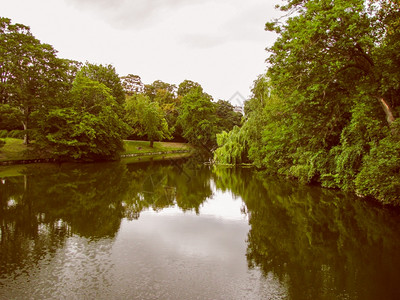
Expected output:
(26, 136)
(388, 111)
(151, 143)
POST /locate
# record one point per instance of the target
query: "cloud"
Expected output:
(132, 13)
(203, 41)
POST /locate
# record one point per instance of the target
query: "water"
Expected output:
(177, 230)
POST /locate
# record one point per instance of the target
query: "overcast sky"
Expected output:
(218, 43)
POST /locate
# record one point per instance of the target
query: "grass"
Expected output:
(133, 147)
(14, 149)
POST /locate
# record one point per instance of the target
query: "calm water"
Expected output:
(176, 230)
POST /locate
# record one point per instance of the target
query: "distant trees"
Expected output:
(132, 84)
(226, 116)
(146, 118)
(198, 119)
(83, 111)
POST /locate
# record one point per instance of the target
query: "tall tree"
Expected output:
(330, 48)
(151, 90)
(198, 119)
(132, 84)
(226, 115)
(186, 86)
(31, 75)
(107, 75)
(146, 118)
(86, 128)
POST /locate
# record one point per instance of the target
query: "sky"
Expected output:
(217, 43)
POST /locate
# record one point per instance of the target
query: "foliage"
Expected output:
(31, 74)
(226, 116)
(186, 86)
(132, 84)
(232, 147)
(379, 174)
(198, 119)
(326, 110)
(107, 75)
(146, 118)
(2, 143)
(88, 129)
(10, 117)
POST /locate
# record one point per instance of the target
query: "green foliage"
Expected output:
(2, 143)
(226, 116)
(232, 148)
(198, 119)
(132, 84)
(88, 129)
(146, 118)
(186, 86)
(379, 176)
(326, 109)
(32, 76)
(107, 75)
(10, 117)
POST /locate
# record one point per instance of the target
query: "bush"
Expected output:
(380, 173)
(2, 143)
(3, 133)
(16, 134)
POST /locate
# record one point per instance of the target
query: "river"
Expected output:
(181, 230)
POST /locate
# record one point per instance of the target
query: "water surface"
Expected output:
(179, 230)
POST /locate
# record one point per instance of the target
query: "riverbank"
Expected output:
(15, 152)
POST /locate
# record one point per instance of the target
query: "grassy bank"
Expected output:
(137, 147)
(14, 149)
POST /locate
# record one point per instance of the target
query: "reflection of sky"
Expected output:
(168, 254)
(222, 205)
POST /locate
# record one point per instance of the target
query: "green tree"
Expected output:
(198, 119)
(329, 50)
(227, 118)
(107, 75)
(132, 84)
(165, 95)
(146, 118)
(87, 128)
(151, 90)
(31, 75)
(186, 86)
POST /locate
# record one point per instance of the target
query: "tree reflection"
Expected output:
(165, 184)
(49, 203)
(319, 243)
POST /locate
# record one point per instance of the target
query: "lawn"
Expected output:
(132, 147)
(14, 149)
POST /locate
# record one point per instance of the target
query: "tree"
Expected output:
(165, 95)
(336, 48)
(151, 90)
(31, 75)
(107, 75)
(146, 118)
(87, 128)
(226, 116)
(186, 86)
(132, 84)
(197, 118)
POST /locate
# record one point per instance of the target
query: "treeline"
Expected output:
(84, 111)
(327, 110)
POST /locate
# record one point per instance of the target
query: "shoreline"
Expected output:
(54, 160)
